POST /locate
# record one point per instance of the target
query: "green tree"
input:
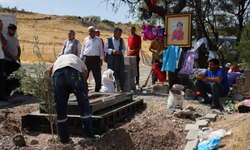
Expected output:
(244, 46)
(39, 84)
(14, 8)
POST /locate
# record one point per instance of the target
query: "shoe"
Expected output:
(215, 106)
(204, 101)
(138, 86)
(2, 98)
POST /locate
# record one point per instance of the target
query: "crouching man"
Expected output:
(69, 76)
(218, 87)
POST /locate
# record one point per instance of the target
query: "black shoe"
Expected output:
(204, 101)
(2, 98)
(215, 106)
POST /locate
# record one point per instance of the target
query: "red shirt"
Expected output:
(134, 43)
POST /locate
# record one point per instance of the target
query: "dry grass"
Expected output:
(52, 33)
(240, 136)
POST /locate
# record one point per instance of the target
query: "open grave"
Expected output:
(107, 109)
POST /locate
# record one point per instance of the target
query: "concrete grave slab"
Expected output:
(192, 145)
(189, 127)
(211, 117)
(202, 123)
(192, 135)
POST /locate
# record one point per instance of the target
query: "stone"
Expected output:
(189, 108)
(18, 140)
(192, 145)
(34, 142)
(202, 123)
(211, 117)
(192, 135)
(189, 127)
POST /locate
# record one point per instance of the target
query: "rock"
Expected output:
(34, 142)
(18, 140)
(16, 128)
(189, 108)
(192, 117)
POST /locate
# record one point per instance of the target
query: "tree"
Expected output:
(244, 46)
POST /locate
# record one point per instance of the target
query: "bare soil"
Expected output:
(153, 127)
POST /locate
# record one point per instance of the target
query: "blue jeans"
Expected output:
(65, 81)
(154, 79)
(216, 89)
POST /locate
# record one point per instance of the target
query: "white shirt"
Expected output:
(12, 44)
(68, 48)
(69, 60)
(1, 50)
(92, 47)
(116, 44)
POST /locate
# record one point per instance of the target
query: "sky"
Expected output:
(72, 7)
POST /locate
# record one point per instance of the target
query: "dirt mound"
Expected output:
(154, 128)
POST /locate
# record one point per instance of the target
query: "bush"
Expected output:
(108, 22)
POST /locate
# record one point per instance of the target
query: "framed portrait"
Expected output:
(178, 29)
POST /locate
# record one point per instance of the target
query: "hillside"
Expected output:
(52, 32)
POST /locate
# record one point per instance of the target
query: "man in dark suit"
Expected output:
(115, 49)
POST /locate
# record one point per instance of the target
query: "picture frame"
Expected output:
(178, 29)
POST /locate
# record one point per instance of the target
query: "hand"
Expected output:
(120, 53)
(114, 52)
(131, 52)
(101, 62)
(201, 77)
(85, 74)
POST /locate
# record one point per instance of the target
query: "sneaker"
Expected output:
(138, 86)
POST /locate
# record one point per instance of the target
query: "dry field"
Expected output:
(53, 32)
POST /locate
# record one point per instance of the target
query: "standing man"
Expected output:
(115, 49)
(3, 42)
(69, 75)
(92, 55)
(134, 46)
(71, 45)
(218, 86)
(12, 53)
(155, 47)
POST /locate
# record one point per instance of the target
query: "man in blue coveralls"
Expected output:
(69, 76)
(218, 84)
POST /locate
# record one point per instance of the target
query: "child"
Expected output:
(178, 34)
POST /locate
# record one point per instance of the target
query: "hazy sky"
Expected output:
(71, 7)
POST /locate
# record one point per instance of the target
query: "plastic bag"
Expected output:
(157, 72)
(204, 133)
(207, 133)
(175, 99)
(108, 80)
(210, 144)
(220, 133)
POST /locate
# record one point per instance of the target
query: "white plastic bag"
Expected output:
(175, 99)
(220, 133)
(204, 133)
(108, 80)
(207, 133)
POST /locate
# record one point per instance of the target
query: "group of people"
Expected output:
(72, 66)
(71, 70)
(10, 53)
